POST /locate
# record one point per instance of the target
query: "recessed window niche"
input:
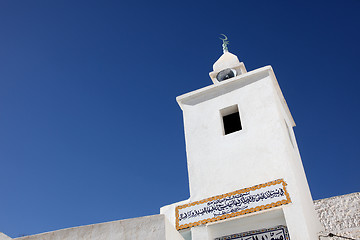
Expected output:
(226, 229)
(231, 119)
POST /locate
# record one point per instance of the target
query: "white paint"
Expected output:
(200, 232)
(170, 231)
(261, 152)
(169, 211)
(4, 237)
(154, 227)
(340, 215)
(227, 60)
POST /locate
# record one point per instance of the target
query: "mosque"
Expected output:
(246, 176)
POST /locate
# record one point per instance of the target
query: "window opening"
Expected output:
(231, 119)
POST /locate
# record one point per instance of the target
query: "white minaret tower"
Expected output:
(245, 172)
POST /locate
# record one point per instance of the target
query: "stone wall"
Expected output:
(340, 215)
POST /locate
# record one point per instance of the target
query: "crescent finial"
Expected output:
(225, 43)
(225, 37)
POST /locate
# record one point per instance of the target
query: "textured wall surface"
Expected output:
(340, 215)
(4, 237)
(155, 227)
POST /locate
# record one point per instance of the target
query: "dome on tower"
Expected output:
(226, 67)
(227, 60)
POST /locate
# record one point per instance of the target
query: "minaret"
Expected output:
(244, 166)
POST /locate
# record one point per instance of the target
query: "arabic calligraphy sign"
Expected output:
(256, 198)
(275, 233)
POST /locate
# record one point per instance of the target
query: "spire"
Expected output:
(227, 66)
(225, 43)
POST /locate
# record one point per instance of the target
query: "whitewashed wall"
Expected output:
(340, 215)
(263, 151)
(4, 237)
(154, 227)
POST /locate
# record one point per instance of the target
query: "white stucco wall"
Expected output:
(169, 210)
(4, 237)
(257, 154)
(340, 215)
(264, 150)
(170, 232)
(154, 227)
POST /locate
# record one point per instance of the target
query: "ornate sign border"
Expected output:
(229, 215)
(255, 232)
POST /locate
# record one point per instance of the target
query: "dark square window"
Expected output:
(232, 123)
(231, 119)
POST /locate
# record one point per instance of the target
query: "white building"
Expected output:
(239, 135)
(246, 177)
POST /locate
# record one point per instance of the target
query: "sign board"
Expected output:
(275, 233)
(256, 198)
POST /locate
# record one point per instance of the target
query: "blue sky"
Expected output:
(89, 127)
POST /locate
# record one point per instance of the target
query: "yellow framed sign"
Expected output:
(253, 199)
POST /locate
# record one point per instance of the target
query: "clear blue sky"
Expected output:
(89, 127)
